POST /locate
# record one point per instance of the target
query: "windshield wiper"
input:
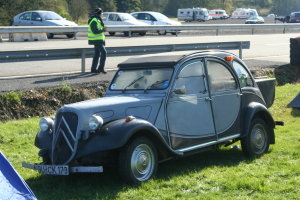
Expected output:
(133, 82)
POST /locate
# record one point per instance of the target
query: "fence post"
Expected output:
(83, 55)
(241, 50)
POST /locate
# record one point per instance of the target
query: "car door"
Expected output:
(147, 18)
(24, 19)
(189, 113)
(225, 96)
(36, 19)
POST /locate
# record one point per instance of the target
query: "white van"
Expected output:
(192, 14)
(243, 13)
(218, 14)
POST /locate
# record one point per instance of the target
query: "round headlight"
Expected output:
(46, 124)
(95, 122)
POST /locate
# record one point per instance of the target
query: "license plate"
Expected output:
(52, 169)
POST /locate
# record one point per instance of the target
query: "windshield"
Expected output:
(126, 17)
(160, 17)
(51, 16)
(142, 79)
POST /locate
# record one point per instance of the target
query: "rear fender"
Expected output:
(257, 110)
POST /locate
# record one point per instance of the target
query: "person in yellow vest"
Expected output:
(96, 37)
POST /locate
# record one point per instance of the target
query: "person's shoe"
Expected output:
(102, 71)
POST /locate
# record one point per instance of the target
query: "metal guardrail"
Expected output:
(121, 28)
(10, 56)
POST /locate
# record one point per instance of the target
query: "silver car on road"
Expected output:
(43, 18)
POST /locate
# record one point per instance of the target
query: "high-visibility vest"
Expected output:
(91, 35)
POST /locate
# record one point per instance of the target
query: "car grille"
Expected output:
(64, 139)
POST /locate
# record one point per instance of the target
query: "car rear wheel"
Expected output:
(112, 33)
(50, 35)
(257, 142)
(142, 33)
(71, 35)
(138, 161)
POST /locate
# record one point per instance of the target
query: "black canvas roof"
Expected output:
(151, 61)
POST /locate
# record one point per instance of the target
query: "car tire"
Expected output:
(50, 35)
(112, 33)
(71, 35)
(138, 161)
(142, 33)
(257, 141)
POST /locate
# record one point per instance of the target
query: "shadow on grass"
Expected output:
(295, 112)
(108, 185)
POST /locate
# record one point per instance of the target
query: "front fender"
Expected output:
(257, 110)
(117, 133)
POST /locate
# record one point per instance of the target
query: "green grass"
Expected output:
(220, 174)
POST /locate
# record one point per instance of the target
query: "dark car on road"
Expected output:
(157, 108)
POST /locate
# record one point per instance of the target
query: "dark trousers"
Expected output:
(100, 52)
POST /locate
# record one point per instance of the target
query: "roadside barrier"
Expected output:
(83, 53)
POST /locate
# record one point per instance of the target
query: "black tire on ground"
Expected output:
(112, 33)
(71, 35)
(142, 33)
(50, 35)
(257, 141)
(138, 161)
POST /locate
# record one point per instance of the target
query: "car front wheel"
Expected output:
(138, 161)
(257, 142)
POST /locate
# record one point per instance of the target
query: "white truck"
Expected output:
(244, 13)
(192, 14)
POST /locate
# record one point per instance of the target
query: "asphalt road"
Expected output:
(265, 50)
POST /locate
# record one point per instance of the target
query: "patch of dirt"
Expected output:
(44, 102)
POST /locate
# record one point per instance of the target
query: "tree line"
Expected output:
(80, 9)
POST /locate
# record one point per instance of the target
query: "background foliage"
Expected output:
(76, 9)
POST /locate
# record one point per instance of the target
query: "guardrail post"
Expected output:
(129, 34)
(241, 50)
(83, 54)
(217, 31)
(1, 38)
(253, 31)
(284, 29)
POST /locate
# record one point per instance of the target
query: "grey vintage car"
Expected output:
(156, 108)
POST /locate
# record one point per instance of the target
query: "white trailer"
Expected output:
(192, 14)
(243, 13)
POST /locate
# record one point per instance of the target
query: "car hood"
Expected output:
(116, 107)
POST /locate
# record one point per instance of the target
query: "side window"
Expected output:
(36, 17)
(243, 75)
(219, 77)
(191, 79)
(112, 17)
(25, 16)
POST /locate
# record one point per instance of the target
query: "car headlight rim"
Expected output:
(46, 124)
(95, 122)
